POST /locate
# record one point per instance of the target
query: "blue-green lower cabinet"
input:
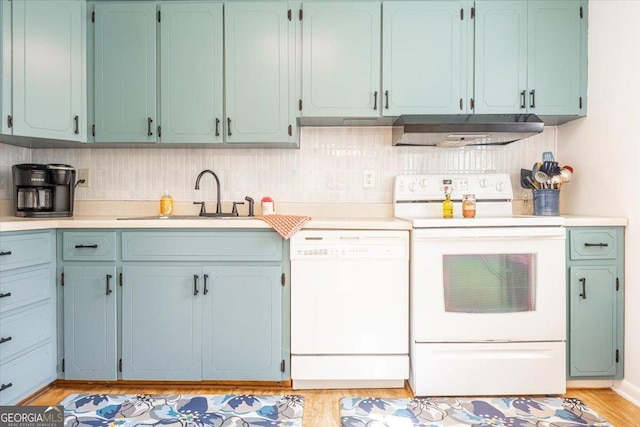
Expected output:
(596, 302)
(90, 346)
(241, 336)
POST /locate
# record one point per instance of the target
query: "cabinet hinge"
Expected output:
(120, 365)
(120, 279)
(158, 16)
(300, 15)
(62, 279)
(617, 356)
(461, 103)
(617, 283)
(283, 279)
(300, 105)
(473, 12)
(93, 17)
(580, 102)
(581, 13)
(93, 130)
(471, 104)
(282, 366)
(462, 14)
(159, 131)
(9, 121)
(290, 130)
(289, 14)
(62, 365)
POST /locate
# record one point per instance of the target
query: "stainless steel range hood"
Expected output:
(462, 130)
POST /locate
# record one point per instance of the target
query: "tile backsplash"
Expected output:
(328, 167)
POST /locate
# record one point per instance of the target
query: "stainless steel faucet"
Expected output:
(218, 204)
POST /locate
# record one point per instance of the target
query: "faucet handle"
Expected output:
(251, 202)
(234, 210)
(203, 210)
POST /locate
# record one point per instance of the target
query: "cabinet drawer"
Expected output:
(89, 246)
(25, 329)
(600, 243)
(23, 250)
(17, 290)
(27, 374)
(201, 246)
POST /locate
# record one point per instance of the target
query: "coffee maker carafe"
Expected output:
(43, 190)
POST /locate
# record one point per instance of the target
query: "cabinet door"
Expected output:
(161, 323)
(48, 89)
(341, 59)
(90, 341)
(191, 72)
(5, 67)
(554, 57)
(125, 72)
(592, 298)
(422, 58)
(257, 72)
(500, 57)
(242, 311)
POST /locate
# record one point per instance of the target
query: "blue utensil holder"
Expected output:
(546, 202)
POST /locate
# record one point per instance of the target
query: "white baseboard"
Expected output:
(627, 390)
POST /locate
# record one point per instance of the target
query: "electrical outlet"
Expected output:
(83, 178)
(368, 179)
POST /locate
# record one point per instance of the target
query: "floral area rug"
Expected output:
(126, 410)
(477, 412)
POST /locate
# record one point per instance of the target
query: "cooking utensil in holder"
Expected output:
(546, 202)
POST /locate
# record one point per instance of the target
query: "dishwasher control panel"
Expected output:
(350, 244)
(348, 251)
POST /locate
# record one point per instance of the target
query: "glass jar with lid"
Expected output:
(469, 205)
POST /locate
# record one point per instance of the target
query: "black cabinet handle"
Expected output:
(205, 290)
(108, 292)
(86, 246)
(375, 100)
(149, 131)
(76, 120)
(523, 102)
(604, 245)
(3, 339)
(5, 386)
(8, 294)
(584, 288)
(386, 99)
(217, 127)
(532, 98)
(228, 126)
(3, 253)
(195, 284)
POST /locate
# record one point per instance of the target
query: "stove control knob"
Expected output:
(423, 183)
(482, 183)
(500, 186)
(413, 186)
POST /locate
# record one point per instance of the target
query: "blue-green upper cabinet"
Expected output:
(49, 84)
(500, 56)
(191, 72)
(424, 65)
(530, 57)
(125, 72)
(554, 55)
(257, 72)
(341, 59)
(5, 67)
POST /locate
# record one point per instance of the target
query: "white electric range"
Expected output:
(487, 294)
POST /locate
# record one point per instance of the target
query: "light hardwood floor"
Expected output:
(321, 406)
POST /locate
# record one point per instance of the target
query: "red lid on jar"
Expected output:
(267, 199)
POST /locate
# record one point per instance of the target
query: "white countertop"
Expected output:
(11, 223)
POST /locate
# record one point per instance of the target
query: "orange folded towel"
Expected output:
(285, 225)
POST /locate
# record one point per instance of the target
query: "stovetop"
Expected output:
(418, 198)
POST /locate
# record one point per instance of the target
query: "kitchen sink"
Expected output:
(159, 217)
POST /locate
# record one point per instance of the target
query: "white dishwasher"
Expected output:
(349, 309)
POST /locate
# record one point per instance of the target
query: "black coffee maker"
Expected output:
(43, 191)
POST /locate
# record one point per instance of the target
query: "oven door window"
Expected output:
(494, 283)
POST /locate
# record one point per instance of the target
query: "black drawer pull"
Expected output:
(5, 386)
(8, 294)
(3, 253)
(195, 284)
(205, 290)
(86, 246)
(3, 339)
(584, 288)
(604, 245)
(108, 292)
